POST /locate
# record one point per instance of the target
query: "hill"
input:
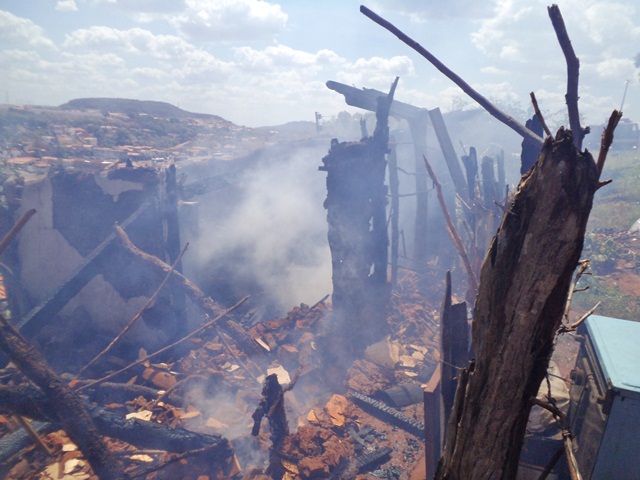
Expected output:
(133, 107)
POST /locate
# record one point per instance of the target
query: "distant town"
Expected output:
(97, 133)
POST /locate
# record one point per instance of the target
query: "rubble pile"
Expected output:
(215, 386)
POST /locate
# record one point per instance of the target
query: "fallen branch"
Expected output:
(466, 88)
(162, 350)
(136, 316)
(197, 296)
(566, 436)
(453, 233)
(22, 221)
(63, 401)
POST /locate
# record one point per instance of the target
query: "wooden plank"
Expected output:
(449, 153)
(432, 421)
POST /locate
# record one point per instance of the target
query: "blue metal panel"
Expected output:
(617, 345)
(618, 457)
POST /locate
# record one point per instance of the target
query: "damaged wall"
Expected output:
(76, 212)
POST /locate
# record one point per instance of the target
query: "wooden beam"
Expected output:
(90, 267)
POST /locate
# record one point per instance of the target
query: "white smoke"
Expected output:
(278, 225)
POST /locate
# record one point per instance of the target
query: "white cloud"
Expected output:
(22, 31)
(609, 22)
(229, 20)
(66, 6)
(134, 40)
(376, 72)
(491, 70)
(284, 57)
(421, 12)
(147, 6)
(500, 32)
(616, 68)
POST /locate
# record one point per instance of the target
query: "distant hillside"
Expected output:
(132, 107)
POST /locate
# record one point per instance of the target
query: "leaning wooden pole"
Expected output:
(524, 282)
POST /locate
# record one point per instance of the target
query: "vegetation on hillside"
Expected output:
(614, 253)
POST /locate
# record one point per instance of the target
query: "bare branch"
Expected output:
(607, 140)
(534, 102)
(168, 347)
(136, 316)
(584, 265)
(455, 236)
(466, 88)
(566, 436)
(573, 74)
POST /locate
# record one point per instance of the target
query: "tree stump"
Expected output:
(524, 284)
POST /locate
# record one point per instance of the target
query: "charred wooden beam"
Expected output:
(90, 267)
(450, 157)
(384, 412)
(432, 432)
(197, 296)
(394, 214)
(370, 460)
(31, 402)
(171, 231)
(272, 406)
(367, 98)
(454, 340)
(18, 439)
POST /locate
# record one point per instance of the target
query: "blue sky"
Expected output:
(260, 62)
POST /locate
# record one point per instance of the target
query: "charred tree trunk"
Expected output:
(524, 284)
(67, 404)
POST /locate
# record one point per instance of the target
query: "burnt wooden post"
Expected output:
(418, 127)
(418, 119)
(530, 149)
(489, 193)
(394, 214)
(356, 214)
(454, 345)
(432, 421)
(171, 234)
(442, 134)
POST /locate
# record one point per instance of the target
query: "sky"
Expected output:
(259, 63)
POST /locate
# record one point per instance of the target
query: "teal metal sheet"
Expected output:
(617, 345)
